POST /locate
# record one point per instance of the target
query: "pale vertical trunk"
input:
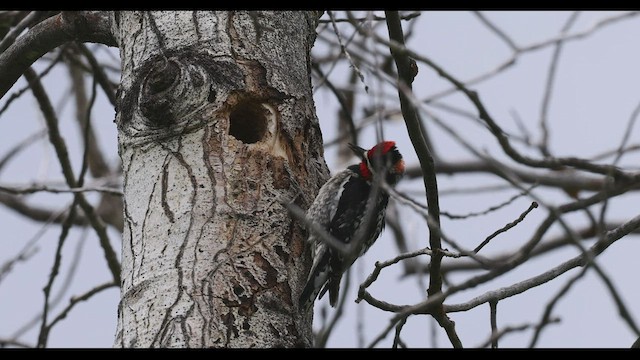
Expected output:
(216, 125)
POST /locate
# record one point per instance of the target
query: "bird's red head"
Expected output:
(384, 156)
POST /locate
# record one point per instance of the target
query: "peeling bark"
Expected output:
(216, 124)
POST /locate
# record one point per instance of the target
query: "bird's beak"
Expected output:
(360, 152)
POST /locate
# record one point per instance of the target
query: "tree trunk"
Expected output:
(216, 125)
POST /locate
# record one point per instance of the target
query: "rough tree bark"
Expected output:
(216, 125)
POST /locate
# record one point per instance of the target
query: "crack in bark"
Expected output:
(143, 231)
(196, 24)
(163, 193)
(154, 28)
(177, 264)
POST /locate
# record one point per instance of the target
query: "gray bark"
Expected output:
(216, 125)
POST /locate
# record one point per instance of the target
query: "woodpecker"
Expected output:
(340, 208)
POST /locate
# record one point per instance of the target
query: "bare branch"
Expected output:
(490, 209)
(396, 339)
(506, 227)
(36, 213)
(18, 93)
(99, 74)
(346, 109)
(22, 256)
(540, 249)
(501, 34)
(66, 225)
(493, 319)
(549, 308)
(84, 297)
(405, 77)
(564, 179)
(423, 211)
(4, 343)
(11, 36)
(56, 190)
(62, 288)
(93, 154)
(381, 265)
(63, 157)
(581, 260)
(409, 16)
(345, 52)
(79, 25)
(556, 163)
(506, 64)
(546, 100)
(434, 301)
(510, 329)
(21, 146)
(323, 335)
(624, 313)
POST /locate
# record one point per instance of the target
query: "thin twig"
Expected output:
(92, 156)
(66, 226)
(75, 261)
(27, 250)
(546, 316)
(476, 190)
(17, 190)
(99, 74)
(623, 311)
(551, 74)
(493, 319)
(501, 34)
(510, 329)
(381, 265)
(24, 255)
(15, 95)
(396, 339)
(346, 111)
(490, 209)
(323, 335)
(423, 211)
(15, 150)
(540, 249)
(4, 343)
(608, 153)
(581, 260)
(506, 227)
(496, 130)
(512, 60)
(63, 157)
(87, 135)
(374, 18)
(84, 297)
(345, 52)
(428, 305)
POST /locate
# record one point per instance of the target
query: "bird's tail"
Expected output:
(315, 281)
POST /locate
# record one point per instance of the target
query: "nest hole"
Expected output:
(248, 121)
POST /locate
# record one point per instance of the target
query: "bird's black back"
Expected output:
(351, 211)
